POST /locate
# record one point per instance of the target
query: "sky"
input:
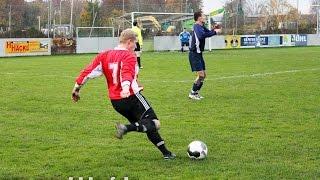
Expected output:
(210, 5)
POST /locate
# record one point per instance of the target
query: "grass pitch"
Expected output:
(260, 118)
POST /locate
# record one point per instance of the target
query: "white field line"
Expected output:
(182, 81)
(245, 75)
(39, 75)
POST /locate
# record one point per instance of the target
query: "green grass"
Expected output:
(264, 126)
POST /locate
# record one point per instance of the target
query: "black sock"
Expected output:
(138, 126)
(131, 127)
(200, 86)
(163, 149)
(196, 87)
(139, 61)
(156, 139)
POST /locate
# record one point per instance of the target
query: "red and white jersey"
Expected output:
(120, 68)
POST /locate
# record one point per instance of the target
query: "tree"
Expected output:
(195, 5)
(110, 9)
(174, 6)
(313, 8)
(278, 13)
(183, 6)
(314, 15)
(234, 16)
(32, 11)
(17, 11)
(89, 13)
(253, 7)
(3, 15)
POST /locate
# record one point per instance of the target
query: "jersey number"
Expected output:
(114, 68)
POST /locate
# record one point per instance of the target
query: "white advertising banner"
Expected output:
(25, 47)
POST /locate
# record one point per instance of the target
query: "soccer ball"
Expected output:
(197, 150)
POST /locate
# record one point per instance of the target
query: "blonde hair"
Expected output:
(126, 35)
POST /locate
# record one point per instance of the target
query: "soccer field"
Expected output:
(260, 118)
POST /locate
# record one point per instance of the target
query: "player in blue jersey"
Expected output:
(199, 35)
(184, 38)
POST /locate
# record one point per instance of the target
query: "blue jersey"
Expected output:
(199, 35)
(185, 36)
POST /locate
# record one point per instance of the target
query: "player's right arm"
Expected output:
(93, 70)
(180, 35)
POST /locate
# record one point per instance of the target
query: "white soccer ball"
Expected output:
(197, 150)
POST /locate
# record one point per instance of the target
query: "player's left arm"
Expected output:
(189, 36)
(209, 33)
(202, 32)
(92, 71)
(217, 28)
(127, 74)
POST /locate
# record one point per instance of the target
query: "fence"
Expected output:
(43, 46)
(96, 44)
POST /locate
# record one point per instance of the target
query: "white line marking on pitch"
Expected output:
(183, 81)
(246, 75)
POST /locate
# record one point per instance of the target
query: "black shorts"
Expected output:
(185, 44)
(134, 108)
(196, 61)
(138, 48)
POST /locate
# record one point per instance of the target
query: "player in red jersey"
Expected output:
(120, 68)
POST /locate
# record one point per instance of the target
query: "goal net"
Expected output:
(95, 32)
(163, 24)
(159, 28)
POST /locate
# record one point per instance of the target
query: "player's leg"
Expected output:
(182, 45)
(138, 59)
(156, 139)
(147, 122)
(201, 78)
(152, 125)
(133, 110)
(138, 54)
(198, 83)
(123, 107)
(187, 44)
(198, 66)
